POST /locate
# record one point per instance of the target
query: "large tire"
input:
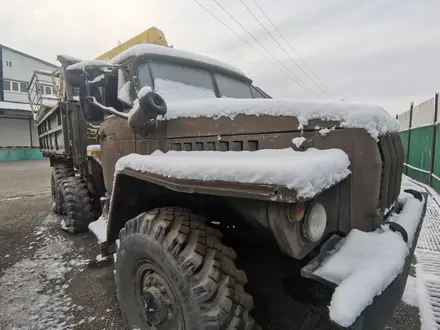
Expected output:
(170, 255)
(78, 203)
(60, 172)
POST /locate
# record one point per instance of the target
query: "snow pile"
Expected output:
(99, 229)
(28, 298)
(308, 172)
(173, 91)
(142, 92)
(298, 141)
(372, 118)
(410, 294)
(97, 79)
(88, 63)
(145, 49)
(324, 131)
(364, 264)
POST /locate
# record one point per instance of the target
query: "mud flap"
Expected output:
(377, 315)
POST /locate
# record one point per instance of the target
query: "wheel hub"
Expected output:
(158, 301)
(154, 304)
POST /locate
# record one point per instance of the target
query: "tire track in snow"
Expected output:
(34, 290)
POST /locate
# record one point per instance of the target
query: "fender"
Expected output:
(135, 192)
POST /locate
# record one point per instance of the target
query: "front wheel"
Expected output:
(173, 272)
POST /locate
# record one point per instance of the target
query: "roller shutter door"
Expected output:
(14, 132)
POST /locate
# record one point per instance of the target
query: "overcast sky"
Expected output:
(371, 50)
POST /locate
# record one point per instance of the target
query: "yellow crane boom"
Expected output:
(151, 36)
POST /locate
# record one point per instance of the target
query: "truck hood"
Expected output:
(372, 118)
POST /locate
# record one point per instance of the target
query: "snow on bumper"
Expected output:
(364, 264)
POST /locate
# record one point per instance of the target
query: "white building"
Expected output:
(18, 133)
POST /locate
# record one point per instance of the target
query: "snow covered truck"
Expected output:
(191, 155)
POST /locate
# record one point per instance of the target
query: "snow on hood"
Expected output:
(371, 117)
(145, 49)
(308, 172)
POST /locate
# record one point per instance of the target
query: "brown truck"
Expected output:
(191, 155)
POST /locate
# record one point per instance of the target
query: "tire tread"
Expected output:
(208, 265)
(78, 204)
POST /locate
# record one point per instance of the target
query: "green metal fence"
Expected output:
(421, 142)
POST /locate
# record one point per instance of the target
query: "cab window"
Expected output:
(230, 87)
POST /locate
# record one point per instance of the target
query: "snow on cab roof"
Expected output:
(146, 49)
(373, 118)
(83, 64)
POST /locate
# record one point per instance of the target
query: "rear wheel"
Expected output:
(78, 203)
(60, 172)
(173, 272)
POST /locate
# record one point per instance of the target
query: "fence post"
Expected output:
(409, 137)
(434, 134)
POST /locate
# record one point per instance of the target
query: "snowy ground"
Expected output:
(424, 290)
(50, 280)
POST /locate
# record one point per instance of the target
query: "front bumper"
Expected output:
(378, 313)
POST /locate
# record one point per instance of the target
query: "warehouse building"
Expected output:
(18, 132)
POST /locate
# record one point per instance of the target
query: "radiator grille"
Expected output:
(392, 155)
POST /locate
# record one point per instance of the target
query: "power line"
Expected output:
(282, 48)
(298, 80)
(296, 53)
(255, 49)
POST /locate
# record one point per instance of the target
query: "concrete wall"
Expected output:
(20, 154)
(18, 132)
(19, 68)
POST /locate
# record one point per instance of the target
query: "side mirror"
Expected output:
(143, 119)
(92, 113)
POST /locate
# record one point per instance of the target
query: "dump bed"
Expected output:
(61, 126)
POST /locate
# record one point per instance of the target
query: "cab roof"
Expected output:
(150, 49)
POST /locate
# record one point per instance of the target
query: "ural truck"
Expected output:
(192, 159)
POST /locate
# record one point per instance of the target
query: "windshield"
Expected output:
(177, 82)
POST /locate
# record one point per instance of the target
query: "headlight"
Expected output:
(315, 222)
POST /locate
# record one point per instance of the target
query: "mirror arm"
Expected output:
(92, 101)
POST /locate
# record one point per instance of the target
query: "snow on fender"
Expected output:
(365, 263)
(308, 173)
